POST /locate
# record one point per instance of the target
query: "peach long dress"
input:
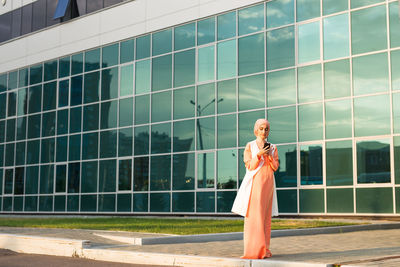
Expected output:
(257, 223)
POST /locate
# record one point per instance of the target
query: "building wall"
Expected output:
(152, 115)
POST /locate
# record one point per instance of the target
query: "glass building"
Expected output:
(155, 121)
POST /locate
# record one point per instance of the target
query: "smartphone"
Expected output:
(267, 145)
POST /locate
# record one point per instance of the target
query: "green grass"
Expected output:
(157, 225)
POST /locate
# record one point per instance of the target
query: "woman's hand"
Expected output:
(264, 151)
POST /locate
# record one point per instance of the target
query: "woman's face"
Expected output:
(263, 131)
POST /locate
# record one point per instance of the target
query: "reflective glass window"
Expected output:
(36, 74)
(64, 65)
(12, 104)
(90, 146)
(396, 113)
(205, 170)
(251, 19)
(8, 181)
(162, 42)
(108, 144)
(23, 77)
(63, 93)
(62, 148)
(370, 74)
(184, 136)
(141, 174)
(26, 26)
(205, 63)
(92, 59)
(73, 177)
(76, 91)
(141, 202)
(206, 99)
(161, 106)
(225, 201)
(91, 87)
(19, 154)
(125, 175)
(32, 152)
(46, 179)
(183, 172)
(109, 113)
(394, 23)
(73, 203)
(10, 130)
(62, 121)
(308, 42)
(19, 181)
(252, 92)
(16, 23)
(360, 3)
(395, 69)
(88, 202)
(337, 79)
(184, 36)
(109, 83)
(126, 80)
(107, 175)
(184, 103)
(50, 70)
(336, 36)
(125, 141)
(307, 9)
(110, 55)
(396, 145)
(283, 125)
(311, 164)
(34, 126)
(246, 123)
(74, 146)
(226, 170)
(226, 59)
(160, 173)
(143, 47)
(372, 121)
(340, 200)
(49, 96)
(338, 122)
(31, 180)
(142, 109)
(226, 131)
(226, 95)
(77, 64)
(10, 154)
(206, 133)
(373, 161)
(251, 54)
(184, 68)
(374, 200)
(12, 80)
(160, 202)
(126, 112)
(286, 175)
(226, 25)
(309, 81)
(75, 120)
(141, 140)
(59, 203)
(3, 101)
(161, 73)
(49, 123)
(3, 82)
(2, 129)
(311, 200)
(183, 202)
(366, 23)
(310, 122)
(339, 163)
(91, 117)
(35, 99)
(281, 88)
(127, 49)
(280, 48)
(161, 138)
(61, 178)
(206, 31)
(333, 6)
(142, 77)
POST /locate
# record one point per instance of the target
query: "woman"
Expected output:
(256, 198)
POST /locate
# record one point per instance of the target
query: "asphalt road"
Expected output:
(10, 258)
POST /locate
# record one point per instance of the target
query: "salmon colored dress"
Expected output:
(257, 223)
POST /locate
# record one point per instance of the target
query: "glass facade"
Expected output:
(158, 123)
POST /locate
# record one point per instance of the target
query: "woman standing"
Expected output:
(256, 198)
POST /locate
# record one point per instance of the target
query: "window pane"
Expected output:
(337, 78)
(59, 203)
(338, 122)
(91, 117)
(184, 68)
(34, 126)
(35, 100)
(73, 203)
(184, 135)
(73, 177)
(160, 202)
(10, 153)
(46, 179)
(140, 202)
(226, 170)
(49, 123)
(184, 36)
(360, 3)
(77, 64)
(92, 60)
(142, 109)
(309, 42)
(125, 175)
(251, 19)
(126, 112)
(124, 202)
(286, 175)
(370, 74)
(311, 200)
(92, 87)
(3, 82)
(206, 133)
(160, 176)
(246, 123)
(126, 80)
(226, 59)
(311, 164)
(109, 113)
(309, 83)
(252, 92)
(12, 104)
(183, 172)
(374, 200)
(12, 80)
(107, 175)
(206, 31)
(307, 9)
(19, 154)
(161, 138)
(226, 95)
(396, 113)
(141, 174)
(162, 42)
(141, 140)
(8, 181)
(280, 48)
(205, 170)
(142, 77)
(310, 122)
(227, 131)
(47, 152)
(50, 70)
(206, 67)
(366, 23)
(143, 47)
(372, 121)
(339, 163)
(76, 91)
(10, 134)
(206, 99)
(226, 25)
(396, 144)
(336, 36)
(49, 96)
(127, 51)
(109, 83)
(62, 148)
(162, 73)
(31, 180)
(90, 146)
(283, 125)
(340, 200)
(394, 24)
(36, 74)
(63, 93)
(395, 69)
(23, 77)
(74, 147)
(125, 142)
(281, 88)
(183, 202)
(110, 55)
(108, 144)
(64, 65)
(251, 54)
(19, 181)
(373, 161)
(76, 118)
(184, 105)
(88, 202)
(61, 178)
(161, 106)
(333, 6)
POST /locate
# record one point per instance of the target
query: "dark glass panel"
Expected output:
(47, 152)
(206, 133)
(141, 174)
(31, 180)
(8, 181)
(50, 70)
(46, 179)
(73, 203)
(26, 26)
(12, 104)
(61, 178)
(34, 126)
(9, 156)
(161, 138)
(281, 48)
(126, 112)
(183, 172)
(108, 144)
(125, 175)
(226, 169)
(3, 83)
(94, 5)
(91, 117)
(160, 202)
(127, 51)
(31, 203)
(88, 203)
(143, 47)
(21, 128)
(160, 174)
(226, 131)
(109, 83)
(251, 54)
(91, 87)
(59, 203)
(125, 140)
(226, 25)
(49, 96)
(62, 148)
(286, 175)
(36, 74)
(107, 175)
(183, 202)
(287, 200)
(110, 55)
(162, 73)
(162, 42)
(226, 95)
(63, 93)
(141, 140)
(18, 204)
(90, 143)
(75, 120)
(35, 99)
(142, 109)
(311, 200)
(73, 177)
(10, 132)
(161, 106)
(16, 23)
(92, 59)
(246, 123)
(311, 164)
(184, 135)
(39, 15)
(23, 77)
(225, 201)
(77, 64)
(12, 80)
(184, 68)
(140, 202)
(5, 26)
(3, 101)
(76, 90)
(89, 176)
(251, 19)
(62, 121)
(340, 200)
(184, 36)
(109, 113)
(19, 181)
(74, 147)
(124, 202)
(64, 67)
(374, 200)
(205, 201)
(251, 92)
(19, 154)
(339, 163)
